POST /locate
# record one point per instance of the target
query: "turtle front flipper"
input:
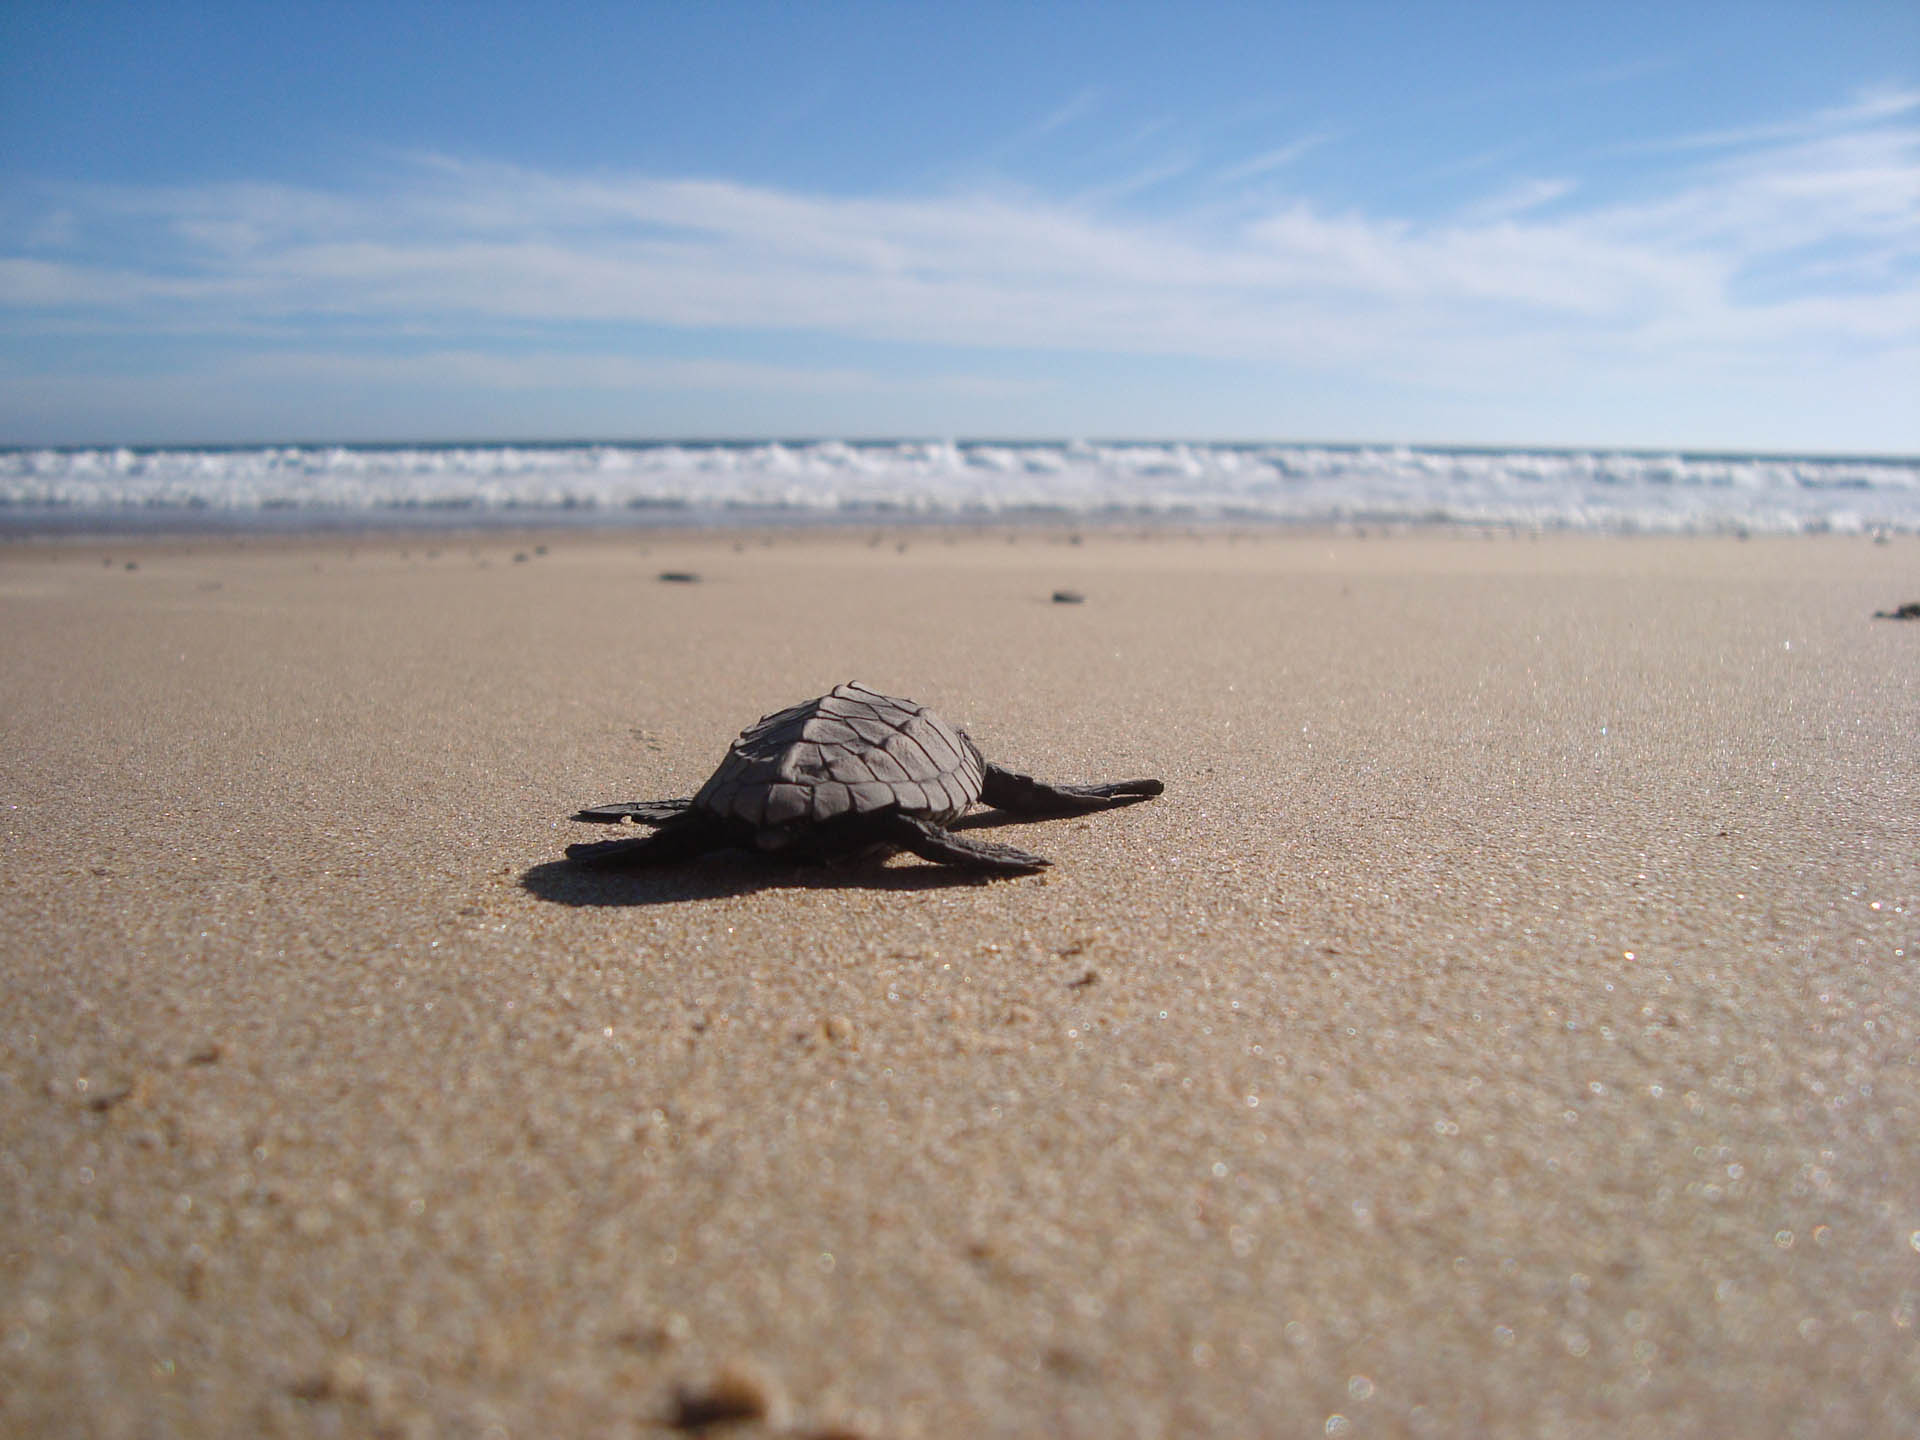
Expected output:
(930, 842)
(684, 836)
(1024, 795)
(646, 812)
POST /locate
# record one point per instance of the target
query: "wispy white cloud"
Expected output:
(1519, 198)
(1268, 161)
(1827, 212)
(1062, 116)
(1866, 110)
(1139, 181)
(1080, 105)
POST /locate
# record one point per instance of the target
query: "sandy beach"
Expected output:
(1504, 1025)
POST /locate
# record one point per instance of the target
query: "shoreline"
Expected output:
(757, 525)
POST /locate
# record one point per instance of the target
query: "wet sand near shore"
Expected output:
(1507, 1023)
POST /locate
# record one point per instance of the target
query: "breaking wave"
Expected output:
(304, 486)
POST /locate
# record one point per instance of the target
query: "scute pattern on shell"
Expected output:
(851, 751)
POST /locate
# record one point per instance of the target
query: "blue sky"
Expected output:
(1642, 225)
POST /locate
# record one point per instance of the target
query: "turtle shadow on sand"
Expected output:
(725, 874)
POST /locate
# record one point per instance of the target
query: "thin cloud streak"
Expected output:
(1519, 199)
(1865, 111)
(1271, 160)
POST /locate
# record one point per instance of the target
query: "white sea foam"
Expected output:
(1597, 491)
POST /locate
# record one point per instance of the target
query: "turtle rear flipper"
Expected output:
(646, 812)
(930, 842)
(680, 837)
(1024, 795)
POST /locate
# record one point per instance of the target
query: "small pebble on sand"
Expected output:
(736, 1393)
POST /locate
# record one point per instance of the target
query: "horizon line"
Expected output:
(1685, 452)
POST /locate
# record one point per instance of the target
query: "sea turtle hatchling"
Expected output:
(854, 772)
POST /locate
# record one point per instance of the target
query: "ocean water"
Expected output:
(310, 487)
